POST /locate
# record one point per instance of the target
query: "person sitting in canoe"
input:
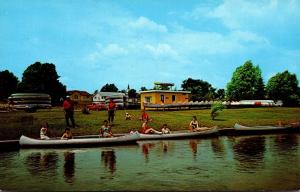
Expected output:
(148, 130)
(43, 131)
(105, 130)
(165, 129)
(67, 134)
(194, 125)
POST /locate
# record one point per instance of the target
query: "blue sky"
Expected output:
(138, 42)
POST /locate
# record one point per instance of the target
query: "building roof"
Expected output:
(83, 93)
(164, 91)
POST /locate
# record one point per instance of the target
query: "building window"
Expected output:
(173, 98)
(162, 98)
(147, 99)
(76, 97)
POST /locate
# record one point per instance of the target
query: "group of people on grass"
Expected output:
(106, 128)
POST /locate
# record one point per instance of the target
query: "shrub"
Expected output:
(215, 107)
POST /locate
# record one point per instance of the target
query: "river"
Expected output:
(267, 162)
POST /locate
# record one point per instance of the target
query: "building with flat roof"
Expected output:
(162, 96)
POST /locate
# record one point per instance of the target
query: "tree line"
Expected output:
(246, 83)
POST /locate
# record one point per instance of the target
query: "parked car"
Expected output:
(96, 106)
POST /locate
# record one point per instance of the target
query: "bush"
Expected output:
(215, 107)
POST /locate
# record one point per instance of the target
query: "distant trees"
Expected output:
(42, 78)
(8, 84)
(199, 89)
(143, 89)
(109, 88)
(246, 83)
(132, 93)
(284, 86)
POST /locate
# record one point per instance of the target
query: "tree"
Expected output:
(246, 83)
(220, 94)
(284, 86)
(218, 106)
(109, 88)
(43, 78)
(199, 89)
(144, 89)
(8, 84)
(132, 93)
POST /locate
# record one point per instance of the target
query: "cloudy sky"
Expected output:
(138, 42)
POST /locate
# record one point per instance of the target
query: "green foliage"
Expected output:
(215, 108)
(132, 93)
(8, 84)
(284, 86)
(43, 78)
(200, 90)
(109, 88)
(220, 94)
(246, 83)
(144, 89)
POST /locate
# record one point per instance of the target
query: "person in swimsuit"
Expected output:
(43, 131)
(194, 125)
(67, 134)
(165, 129)
(105, 130)
(148, 130)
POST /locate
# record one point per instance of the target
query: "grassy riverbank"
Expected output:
(13, 124)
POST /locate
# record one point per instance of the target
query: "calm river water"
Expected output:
(270, 162)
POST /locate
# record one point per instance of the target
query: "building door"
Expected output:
(162, 98)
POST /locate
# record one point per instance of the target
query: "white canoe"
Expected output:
(239, 127)
(26, 142)
(180, 134)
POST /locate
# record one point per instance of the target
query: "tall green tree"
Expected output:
(132, 93)
(246, 83)
(8, 84)
(43, 78)
(220, 94)
(200, 89)
(109, 88)
(284, 86)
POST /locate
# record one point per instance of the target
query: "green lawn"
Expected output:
(14, 123)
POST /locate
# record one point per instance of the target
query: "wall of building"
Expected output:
(163, 98)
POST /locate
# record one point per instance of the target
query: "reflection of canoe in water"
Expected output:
(26, 142)
(180, 134)
(259, 129)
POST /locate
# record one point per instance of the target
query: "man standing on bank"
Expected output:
(111, 111)
(69, 111)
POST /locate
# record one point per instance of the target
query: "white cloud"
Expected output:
(161, 49)
(110, 50)
(143, 23)
(237, 14)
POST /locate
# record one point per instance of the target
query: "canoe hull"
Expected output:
(179, 135)
(240, 129)
(26, 142)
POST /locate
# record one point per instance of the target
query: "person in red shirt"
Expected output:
(111, 111)
(69, 111)
(145, 116)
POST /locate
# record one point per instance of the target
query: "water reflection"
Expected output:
(42, 163)
(249, 152)
(165, 146)
(145, 150)
(286, 143)
(108, 158)
(194, 146)
(69, 166)
(217, 146)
